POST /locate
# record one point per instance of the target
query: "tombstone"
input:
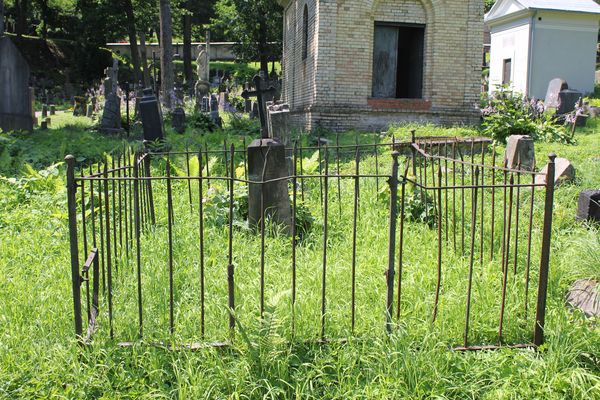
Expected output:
(279, 121)
(202, 86)
(151, 115)
(44, 125)
(247, 102)
(178, 120)
(214, 111)
(584, 295)
(564, 172)
(90, 111)
(567, 99)
(555, 86)
(44, 111)
(223, 100)
(520, 150)
(111, 116)
(205, 104)
(15, 96)
(254, 110)
(588, 206)
(52, 109)
(268, 154)
(79, 107)
(48, 122)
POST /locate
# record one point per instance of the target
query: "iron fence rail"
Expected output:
(112, 211)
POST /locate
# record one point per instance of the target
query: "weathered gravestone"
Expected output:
(588, 206)
(567, 100)
(520, 152)
(90, 111)
(178, 120)
(555, 86)
(560, 98)
(262, 94)
(79, 106)
(278, 121)
(152, 121)
(564, 172)
(266, 161)
(111, 117)
(44, 111)
(202, 86)
(15, 96)
(584, 295)
(223, 100)
(214, 111)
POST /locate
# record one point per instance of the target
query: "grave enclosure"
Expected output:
(440, 239)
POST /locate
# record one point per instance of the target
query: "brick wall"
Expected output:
(332, 87)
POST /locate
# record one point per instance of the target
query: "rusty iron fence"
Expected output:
(450, 211)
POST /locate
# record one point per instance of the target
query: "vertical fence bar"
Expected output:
(101, 220)
(354, 229)
(540, 315)
(505, 258)
(170, 238)
(189, 180)
(108, 255)
(517, 204)
(114, 210)
(207, 165)
(148, 174)
(493, 213)
(376, 164)
(120, 194)
(529, 240)
(138, 246)
(75, 277)
(393, 183)
(472, 255)
(401, 245)
(438, 285)
(201, 238)
(325, 227)
(294, 233)
(262, 233)
(230, 267)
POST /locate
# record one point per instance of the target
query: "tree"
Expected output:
(489, 4)
(166, 54)
(131, 30)
(256, 26)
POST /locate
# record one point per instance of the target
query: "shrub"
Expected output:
(508, 113)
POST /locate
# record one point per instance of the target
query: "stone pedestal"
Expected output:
(270, 155)
(520, 150)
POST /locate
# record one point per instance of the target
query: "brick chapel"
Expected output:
(365, 64)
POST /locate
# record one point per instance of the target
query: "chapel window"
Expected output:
(305, 33)
(398, 60)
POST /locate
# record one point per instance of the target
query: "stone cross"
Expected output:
(261, 95)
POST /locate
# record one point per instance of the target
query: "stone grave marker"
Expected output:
(214, 111)
(567, 99)
(555, 86)
(261, 93)
(44, 110)
(202, 86)
(584, 295)
(111, 117)
(178, 120)
(15, 96)
(152, 121)
(564, 172)
(278, 121)
(79, 107)
(588, 206)
(268, 154)
(520, 149)
(223, 100)
(90, 111)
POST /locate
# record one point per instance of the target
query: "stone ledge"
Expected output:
(399, 104)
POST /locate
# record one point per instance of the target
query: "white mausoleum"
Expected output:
(535, 41)
(365, 64)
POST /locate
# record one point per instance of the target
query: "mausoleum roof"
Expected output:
(503, 8)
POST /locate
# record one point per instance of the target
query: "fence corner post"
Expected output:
(72, 212)
(393, 182)
(540, 315)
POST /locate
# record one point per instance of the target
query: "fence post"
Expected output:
(393, 182)
(540, 315)
(72, 209)
(147, 162)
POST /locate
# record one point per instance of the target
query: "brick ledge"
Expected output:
(399, 104)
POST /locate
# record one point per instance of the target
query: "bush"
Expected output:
(508, 113)
(201, 122)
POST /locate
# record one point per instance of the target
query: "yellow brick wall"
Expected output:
(332, 87)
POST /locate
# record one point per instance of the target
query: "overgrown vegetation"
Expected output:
(40, 358)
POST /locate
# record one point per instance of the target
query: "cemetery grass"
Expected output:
(39, 357)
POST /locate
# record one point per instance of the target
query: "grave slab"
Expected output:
(584, 295)
(564, 172)
(520, 149)
(588, 205)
